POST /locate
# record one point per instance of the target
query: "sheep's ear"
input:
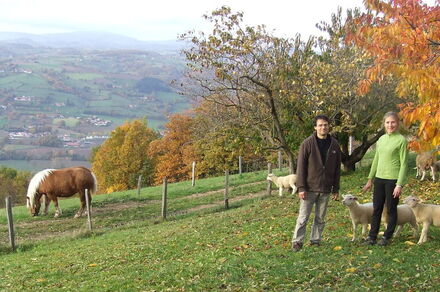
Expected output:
(355, 198)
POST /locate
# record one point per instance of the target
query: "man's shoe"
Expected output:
(369, 241)
(296, 246)
(383, 241)
(315, 242)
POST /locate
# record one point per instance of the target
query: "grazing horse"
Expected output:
(54, 183)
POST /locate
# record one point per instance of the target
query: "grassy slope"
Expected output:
(244, 248)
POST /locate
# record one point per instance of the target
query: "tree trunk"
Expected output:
(349, 161)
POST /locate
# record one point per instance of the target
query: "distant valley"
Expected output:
(57, 102)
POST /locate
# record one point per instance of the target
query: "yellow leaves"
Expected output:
(377, 266)
(351, 270)
(41, 280)
(336, 248)
(409, 243)
(93, 265)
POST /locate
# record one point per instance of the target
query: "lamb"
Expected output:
(426, 214)
(424, 162)
(359, 213)
(283, 182)
(362, 214)
(404, 215)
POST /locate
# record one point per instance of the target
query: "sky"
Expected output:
(162, 19)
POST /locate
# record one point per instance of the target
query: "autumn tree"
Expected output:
(120, 160)
(250, 70)
(332, 88)
(219, 141)
(403, 38)
(174, 152)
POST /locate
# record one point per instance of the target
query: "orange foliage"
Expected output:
(403, 37)
(174, 152)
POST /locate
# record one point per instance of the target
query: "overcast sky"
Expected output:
(161, 19)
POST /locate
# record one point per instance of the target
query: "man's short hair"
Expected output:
(320, 117)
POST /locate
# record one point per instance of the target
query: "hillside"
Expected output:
(73, 93)
(245, 248)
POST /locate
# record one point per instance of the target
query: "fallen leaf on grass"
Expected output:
(378, 265)
(396, 260)
(408, 242)
(337, 247)
(41, 280)
(93, 265)
(351, 270)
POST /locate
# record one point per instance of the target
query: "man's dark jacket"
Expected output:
(314, 175)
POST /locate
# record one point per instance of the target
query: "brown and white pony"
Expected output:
(54, 183)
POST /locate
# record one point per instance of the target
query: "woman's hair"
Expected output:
(391, 114)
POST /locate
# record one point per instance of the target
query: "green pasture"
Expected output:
(70, 122)
(245, 248)
(27, 80)
(85, 76)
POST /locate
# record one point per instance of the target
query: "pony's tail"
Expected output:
(95, 184)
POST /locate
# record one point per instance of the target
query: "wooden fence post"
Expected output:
(139, 184)
(280, 161)
(10, 222)
(193, 181)
(164, 198)
(226, 189)
(269, 183)
(89, 211)
(240, 160)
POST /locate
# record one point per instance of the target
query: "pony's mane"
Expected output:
(35, 182)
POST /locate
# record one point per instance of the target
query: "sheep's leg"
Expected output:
(417, 172)
(294, 189)
(424, 234)
(354, 231)
(364, 230)
(423, 175)
(281, 191)
(398, 229)
(433, 173)
(415, 228)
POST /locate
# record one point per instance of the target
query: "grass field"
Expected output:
(202, 247)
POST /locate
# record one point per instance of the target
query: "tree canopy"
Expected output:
(403, 38)
(120, 160)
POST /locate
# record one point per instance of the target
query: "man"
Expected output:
(318, 175)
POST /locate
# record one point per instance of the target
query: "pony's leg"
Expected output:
(82, 197)
(46, 205)
(58, 212)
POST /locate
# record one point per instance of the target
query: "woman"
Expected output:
(389, 170)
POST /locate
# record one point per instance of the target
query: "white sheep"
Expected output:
(359, 213)
(426, 161)
(362, 214)
(426, 214)
(404, 215)
(283, 182)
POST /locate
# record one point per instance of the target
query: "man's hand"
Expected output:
(302, 195)
(335, 196)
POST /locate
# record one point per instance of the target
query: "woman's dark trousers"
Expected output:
(383, 193)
